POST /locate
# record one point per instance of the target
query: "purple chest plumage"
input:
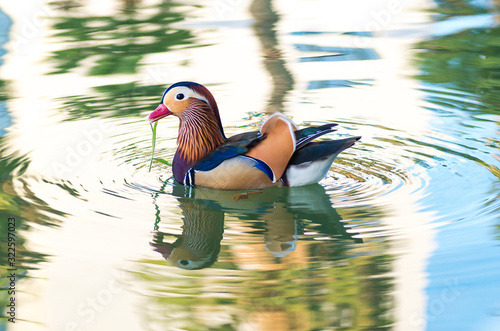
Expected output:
(179, 167)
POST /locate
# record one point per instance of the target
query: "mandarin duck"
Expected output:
(279, 154)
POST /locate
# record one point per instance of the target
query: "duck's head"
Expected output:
(183, 96)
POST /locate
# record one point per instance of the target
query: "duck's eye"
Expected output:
(179, 96)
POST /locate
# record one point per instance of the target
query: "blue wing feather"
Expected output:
(262, 166)
(227, 151)
(218, 156)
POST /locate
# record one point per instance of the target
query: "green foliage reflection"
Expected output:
(116, 100)
(120, 41)
(467, 62)
(18, 202)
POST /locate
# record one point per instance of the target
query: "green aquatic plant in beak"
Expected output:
(153, 145)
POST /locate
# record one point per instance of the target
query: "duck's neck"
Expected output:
(199, 134)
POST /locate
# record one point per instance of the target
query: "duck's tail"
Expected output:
(311, 163)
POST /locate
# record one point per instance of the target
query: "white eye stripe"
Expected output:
(188, 93)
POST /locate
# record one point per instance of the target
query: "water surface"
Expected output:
(401, 234)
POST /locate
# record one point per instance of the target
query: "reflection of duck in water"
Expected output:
(304, 207)
(284, 212)
(199, 244)
(279, 154)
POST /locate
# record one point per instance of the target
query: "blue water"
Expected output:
(401, 234)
